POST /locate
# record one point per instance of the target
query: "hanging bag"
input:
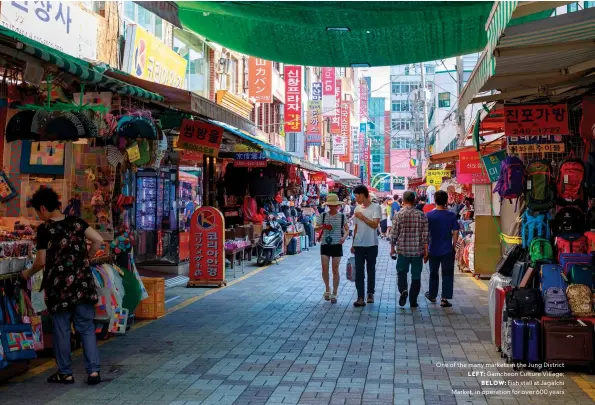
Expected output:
(541, 251)
(511, 182)
(571, 182)
(535, 225)
(16, 338)
(540, 191)
(28, 316)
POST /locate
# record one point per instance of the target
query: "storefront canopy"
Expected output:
(453, 155)
(328, 33)
(341, 176)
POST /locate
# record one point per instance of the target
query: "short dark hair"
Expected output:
(45, 197)
(441, 198)
(361, 189)
(423, 198)
(396, 196)
(409, 197)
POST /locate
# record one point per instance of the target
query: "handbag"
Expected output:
(28, 317)
(16, 338)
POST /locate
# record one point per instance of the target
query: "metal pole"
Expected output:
(425, 119)
(461, 127)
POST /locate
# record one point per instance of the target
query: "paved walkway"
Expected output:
(270, 339)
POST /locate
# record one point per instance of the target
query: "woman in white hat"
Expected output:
(335, 229)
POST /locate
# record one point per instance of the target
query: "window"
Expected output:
(197, 70)
(444, 100)
(430, 69)
(232, 76)
(396, 88)
(94, 6)
(572, 7)
(400, 124)
(406, 70)
(400, 106)
(589, 4)
(401, 142)
(144, 18)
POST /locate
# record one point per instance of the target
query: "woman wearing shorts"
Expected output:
(334, 232)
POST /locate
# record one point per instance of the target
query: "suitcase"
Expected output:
(500, 300)
(568, 343)
(525, 341)
(496, 281)
(568, 259)
(518, 271)
(581, 274)
(551, 276)
(506, 334)
(298, 244)
(292, 246)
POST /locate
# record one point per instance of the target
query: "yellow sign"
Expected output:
(434, 177)
(536, 148)
(240, 147)
(133, 153)
(148, 58)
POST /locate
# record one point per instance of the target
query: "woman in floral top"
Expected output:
(70, 292)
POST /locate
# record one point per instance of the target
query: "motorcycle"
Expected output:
(270, 244)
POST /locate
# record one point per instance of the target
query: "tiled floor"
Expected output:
(271, 340)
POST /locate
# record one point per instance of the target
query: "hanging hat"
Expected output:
(63, 126)
(39, 119)
(89, 125)
(19, 127)
(137, 127)
(114, 156)
(333, 199)
(160, 150)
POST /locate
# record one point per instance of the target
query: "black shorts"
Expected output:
(331, 250)
(383, 225)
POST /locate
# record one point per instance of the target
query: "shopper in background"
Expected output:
(383, 219)
(421, 202)
(335, 230)
(409, 241)
(389, 216)
(395, 207)
(365, 243)
(444, 233)
(70, 292)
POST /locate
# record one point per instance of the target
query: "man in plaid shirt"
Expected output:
(410, 236)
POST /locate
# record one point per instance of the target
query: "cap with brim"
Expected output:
(63, 126)
(19, 127)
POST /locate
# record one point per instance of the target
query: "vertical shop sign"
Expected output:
(293, 98)
(338, 145)
(314, 124)
(198, 136)
(362, 137)
(470, 163)
(336, 119)
(260, 78)
(317, 91)
(492, 164)
(207, 254)
(536, 119)
(328, 92)
(355, 139)
(346, 130)
(363, 100)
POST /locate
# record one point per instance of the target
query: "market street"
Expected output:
(271, 339)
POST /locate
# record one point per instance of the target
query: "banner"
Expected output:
(314, 123)
(207, 254)
(363, 100)
(434, 177)
(293, 98)
(345, 115)
(361, 146)
(336, 119)
(260, 80)
(317, 178)
(355, 140)
(199, 136)
(536, 119)
(471, 178)
(250, 159)
(339, 146)
(470, 162)
(317, 92)
(328, 91)
(492, 164)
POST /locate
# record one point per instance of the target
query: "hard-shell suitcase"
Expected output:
(568, 342)
(298, 243)
(518, 271)
(500, 301)
(581, 274)
(292, 246)
(525, 341)
(496, 281)
(551, 276)
(568, 259)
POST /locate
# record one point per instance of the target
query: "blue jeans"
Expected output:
(447, 262)
(403, 265)
(83, 316)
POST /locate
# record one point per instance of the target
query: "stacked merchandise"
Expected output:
(544, 287)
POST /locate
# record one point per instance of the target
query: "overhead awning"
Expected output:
(548, 57)
(453, 155)
(76, 67)
(342, 176)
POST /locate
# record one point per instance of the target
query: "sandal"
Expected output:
(432, 300)
(359, 303)
(59, 378)
(445, 304)
(94, 379)
(327, 296)
(333, 299)
(370, 298)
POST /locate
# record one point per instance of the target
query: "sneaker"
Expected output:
(403, 298)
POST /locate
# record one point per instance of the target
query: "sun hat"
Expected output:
(19, 127)
(333, 199)
(137, 127)
(62, 126)
(90, 126)
(38, 121)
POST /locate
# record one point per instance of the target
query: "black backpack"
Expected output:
(570, 220)
(524, 303)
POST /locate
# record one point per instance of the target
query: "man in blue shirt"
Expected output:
(395, 207)
(444, 233)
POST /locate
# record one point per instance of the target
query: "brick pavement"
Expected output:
(272, 340)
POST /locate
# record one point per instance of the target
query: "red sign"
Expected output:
(345, 115)
(199, 136)
(260, 79)
(336, 118)
(293, 98)
(536, 119)
(207, 248)
(317, 178)
(328, 91)
(190, 156)
(363, 100)
(470, 163)
(471, 178)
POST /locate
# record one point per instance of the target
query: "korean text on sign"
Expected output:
(199, 136)
(260, 76)
(537, 148)
(537, 119)
(293, 98)
(470, 162)
(346, 130)
(328, 92)
(336, 118)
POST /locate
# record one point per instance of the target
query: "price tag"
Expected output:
(565, 179)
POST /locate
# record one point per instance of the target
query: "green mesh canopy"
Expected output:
(380, 33)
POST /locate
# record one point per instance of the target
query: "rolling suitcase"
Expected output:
(551, 276)
(506, 334)
(500, 300)
(568, 342)
(292, 246)
(525, 341)
(496, 281)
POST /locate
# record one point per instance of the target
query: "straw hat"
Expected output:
(333, 199)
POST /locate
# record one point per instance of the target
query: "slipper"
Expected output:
(333, 299)
(359, 303)
(94, 380)
(445, 304)
(370, 298)
(327, 296)
(432, 300)
(59, 378)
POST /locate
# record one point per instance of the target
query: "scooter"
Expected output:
(270, 245)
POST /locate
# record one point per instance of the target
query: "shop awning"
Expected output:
(453, 155)
(549, 57)
(342, 176)
(77, 67)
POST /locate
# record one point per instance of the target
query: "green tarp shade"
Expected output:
(380, 33)
(77, 67)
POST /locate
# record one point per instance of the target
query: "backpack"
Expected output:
(571, 181)
(512, 178)
(569, 220)
(555, 303)
(524, 303)
(541, 250)
(540, 195)
(580, 299)
(535, 226)
(570, 244)
(581, 274)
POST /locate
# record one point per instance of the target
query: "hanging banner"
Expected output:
(336, 119)
(328, 92)
(355, 140)
(492, 164)
(250, 159)
(434, 177)
(317, 92)
(536, 119)
(362, 137)
(260, 79)
(207, 254)
(199, 136)
(314, 123)
(471, 178)
(293, 98)
(470, 163)
(338, 145)
(345, 116)
(363, 100)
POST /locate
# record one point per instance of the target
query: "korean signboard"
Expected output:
(434, 177)
(537, 148)
(260, 80)
(328, 92)
(250, 159)
(345, 111)
(293, 98)
(317, 178)
(492, 164)
(199, 136)
(355, 141)
(363, 100)
(336, 119)
(536, 119)
(471, 178)
(444, 100)
(61, 25)
(148, 58)
(314, 123)
(317, 91)
(361, 138)
(339, 147)
(207, 254)
(470, 162)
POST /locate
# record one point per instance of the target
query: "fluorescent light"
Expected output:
(340, 29)
(360, 65)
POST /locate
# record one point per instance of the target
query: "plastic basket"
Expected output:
(152, 307)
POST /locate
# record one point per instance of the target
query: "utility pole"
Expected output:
(422, 94)
(461, 127)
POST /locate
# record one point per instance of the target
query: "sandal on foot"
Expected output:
(445, 304)
(432, 300)
(327, 296)
(333, 299)
(359, 303)
(94, 379)
(370, 298)
(59, 378)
